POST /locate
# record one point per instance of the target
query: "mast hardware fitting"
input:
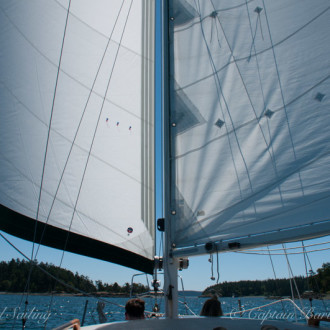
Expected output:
(183, 263)
(234, 245)
(158, 263)
(161, 224)
(210, 247)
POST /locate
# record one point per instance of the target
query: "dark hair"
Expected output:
(135, 308)
(212, 307)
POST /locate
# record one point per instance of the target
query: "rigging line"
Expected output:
(267, 188)
(218, 272)
(66, 73)
(255, 32)
(187, 307)
(246, 90)
(252, 120)
(79, 124)
(47, 144)
(95, 130)
(315, 281)
(282, 96)
(224, 99)
(290, 248)
(79, 213)
(240, 74)
(50, 126)
(260, 52)
(218, 38)
(207, 16)
(54, 277)
(294, 280)
(290, 277)
(95, 30)
(183, 292)
(262, 219)
(305, 253)
(276, 284)
(307, 279)
(65, 139)
(220, 93)
(282, 254)
(45, 155)
(211, 261)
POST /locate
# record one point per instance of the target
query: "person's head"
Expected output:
(134, 309)
(212, 307)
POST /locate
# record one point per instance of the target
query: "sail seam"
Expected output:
(283, 99)
(208, 16)
(259, 53)
(218, 83)
(273, 185)
(66, 73)
(254, 119)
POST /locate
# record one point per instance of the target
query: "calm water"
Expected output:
(64, 309)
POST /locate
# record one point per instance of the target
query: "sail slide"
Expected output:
(249, 121)
(77, 126)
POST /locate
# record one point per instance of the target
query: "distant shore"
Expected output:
(124, 295)
(95, 294)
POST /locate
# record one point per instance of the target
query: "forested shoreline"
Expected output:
(14, 278)
(318, 283)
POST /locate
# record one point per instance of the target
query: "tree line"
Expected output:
(14, 276)
(318, 283)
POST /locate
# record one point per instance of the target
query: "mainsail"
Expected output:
(250, 138)
(77, 126)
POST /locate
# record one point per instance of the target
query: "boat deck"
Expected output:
(202, 323)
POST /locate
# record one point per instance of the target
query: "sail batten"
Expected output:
(96, 177)
(249, 116)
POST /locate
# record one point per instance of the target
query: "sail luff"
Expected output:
(148, 104)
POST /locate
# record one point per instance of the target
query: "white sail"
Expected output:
(77, 123)
(249, 121)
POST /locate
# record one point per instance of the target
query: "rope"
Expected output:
(187, 307)
(218, 272)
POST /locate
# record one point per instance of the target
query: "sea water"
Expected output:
(47, 312)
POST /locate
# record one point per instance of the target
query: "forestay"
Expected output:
(249, 121)
(76, 126)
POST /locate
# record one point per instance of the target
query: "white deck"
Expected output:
(201, 323)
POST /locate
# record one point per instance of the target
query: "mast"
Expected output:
(170, 263)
